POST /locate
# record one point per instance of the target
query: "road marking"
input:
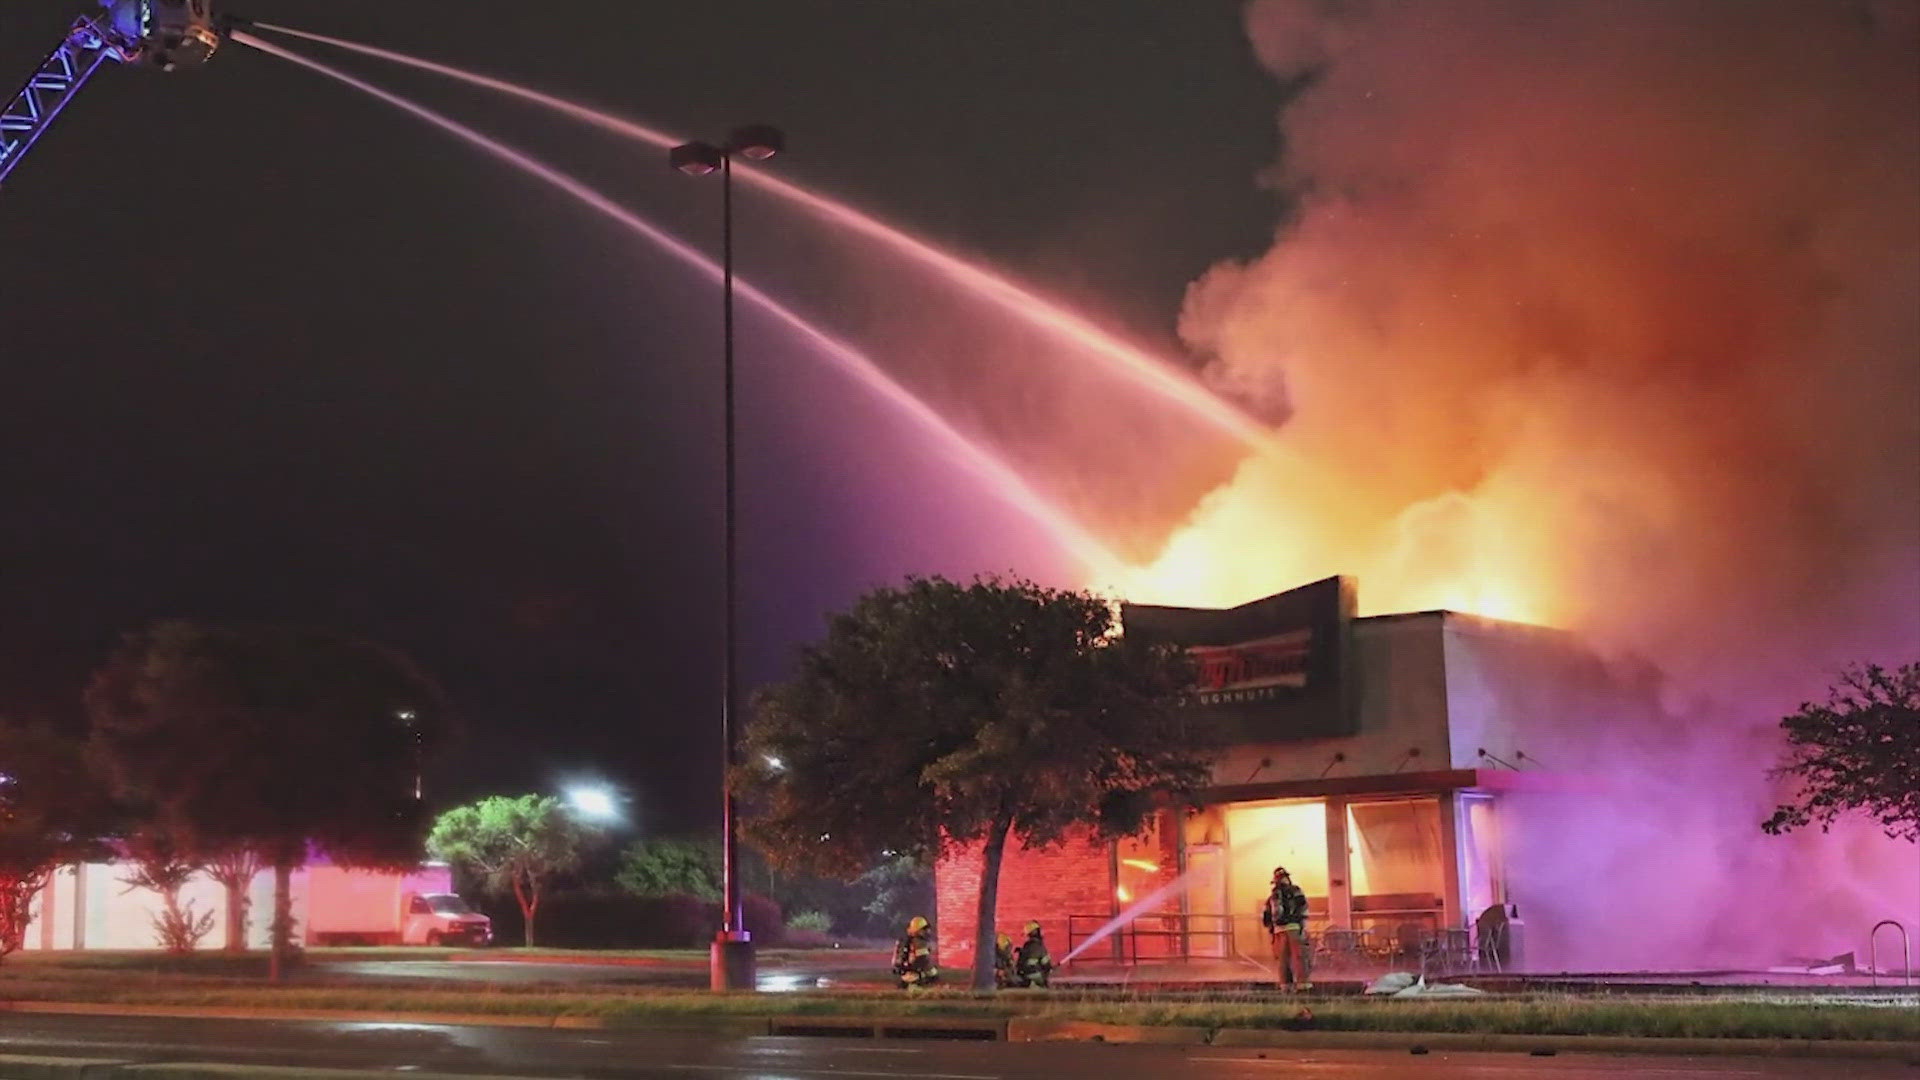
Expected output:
(837, 1072)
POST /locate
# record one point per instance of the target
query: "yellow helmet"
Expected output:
(917, 924)
(1004, 941)
(1033, 927)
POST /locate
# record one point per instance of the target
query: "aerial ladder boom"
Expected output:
(166, 34)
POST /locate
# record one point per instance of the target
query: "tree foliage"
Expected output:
(671, 867)
(52, 812)
(939, 713)
(1858, 752)
(516, 845)
(279, 739)
(902, 888)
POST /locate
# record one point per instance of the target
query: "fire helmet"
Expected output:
(1280, 872)
(1033, 927)
(1003, 941)
(917, 924)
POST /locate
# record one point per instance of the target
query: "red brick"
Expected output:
(1074, 877)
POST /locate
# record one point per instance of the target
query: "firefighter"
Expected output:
(1003, 962)
(913, 957)
(1285, 917)
(1034, 965)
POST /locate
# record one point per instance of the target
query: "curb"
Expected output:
(1010, 1029)
(25, 1067)
(1258, 1038)
(1039, 1029)
(87, 1008)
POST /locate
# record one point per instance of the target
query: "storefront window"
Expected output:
(1398, 876)
(1481, 886)
(1262, 836)
(1143, 870)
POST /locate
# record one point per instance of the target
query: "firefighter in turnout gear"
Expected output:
(1003, 962)
(1285, 917)
(1034, 965)
(913, 957)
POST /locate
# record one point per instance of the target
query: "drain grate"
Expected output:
(976, 1034)
(824, 1030)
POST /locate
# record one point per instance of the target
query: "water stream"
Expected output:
(999, 477)
(1157, 375)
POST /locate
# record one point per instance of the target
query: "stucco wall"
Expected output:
(1533, 697)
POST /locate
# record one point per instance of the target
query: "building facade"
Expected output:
(1378, 759)
(95, 906)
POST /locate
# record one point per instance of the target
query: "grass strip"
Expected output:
(1665, 1016)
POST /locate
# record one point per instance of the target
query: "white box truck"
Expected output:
(370, 907)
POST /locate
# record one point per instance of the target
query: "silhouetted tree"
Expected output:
(53, 812)
(514, 844)
(937, 714)
(1859, 752)
(161, 865)
(283, 740)
(234, 866)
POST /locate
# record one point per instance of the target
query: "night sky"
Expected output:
(273, 350)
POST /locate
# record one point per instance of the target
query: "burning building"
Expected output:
(1412, 771)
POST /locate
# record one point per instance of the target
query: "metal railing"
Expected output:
(1873, 956)
(1170, 935)
(1180, 936)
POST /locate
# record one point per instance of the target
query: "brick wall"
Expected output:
(1074, 877)
(1048, 884)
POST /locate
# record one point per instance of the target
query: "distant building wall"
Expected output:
(91, 906)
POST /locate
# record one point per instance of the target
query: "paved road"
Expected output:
(684, 1056)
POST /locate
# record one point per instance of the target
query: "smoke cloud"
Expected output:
(1601, 315)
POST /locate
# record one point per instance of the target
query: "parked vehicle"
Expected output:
(444, 919)
(358, 907)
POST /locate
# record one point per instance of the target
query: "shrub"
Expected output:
(816, 921)
(615, 919)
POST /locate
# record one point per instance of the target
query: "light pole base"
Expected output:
(730, 962)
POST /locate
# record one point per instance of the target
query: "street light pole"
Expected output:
(731, 960)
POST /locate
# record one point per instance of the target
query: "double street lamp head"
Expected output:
(755, 142)
(696, 158)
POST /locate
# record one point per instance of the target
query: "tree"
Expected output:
(1858, 752)
(516, 845)
(235, 866)
(52, 813)
(283, 740)
(669, 867)
(902, 888)
(939, 714)
(161, 865)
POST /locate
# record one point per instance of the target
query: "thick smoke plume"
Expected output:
(1595, 314)
(1603, 315)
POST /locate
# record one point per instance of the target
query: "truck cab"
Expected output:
(443, 919)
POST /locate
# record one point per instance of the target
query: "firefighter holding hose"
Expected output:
(1035, 966)
(913, 956)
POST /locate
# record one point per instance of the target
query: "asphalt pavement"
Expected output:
(658, 1055)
